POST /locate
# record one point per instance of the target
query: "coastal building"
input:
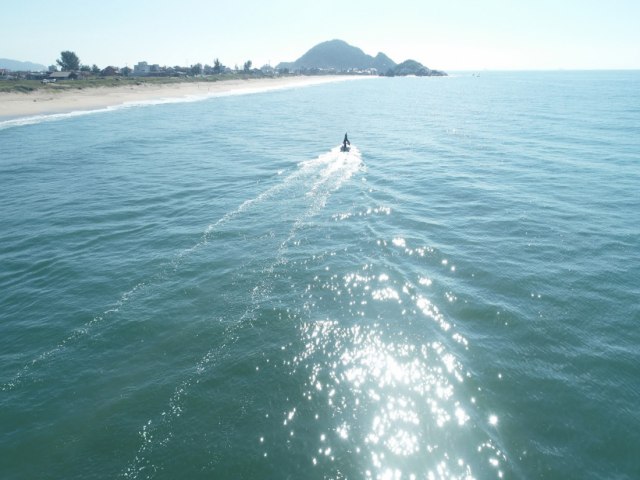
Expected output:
(141, 69)
(62, 76)
(268, 69)
(110, 71)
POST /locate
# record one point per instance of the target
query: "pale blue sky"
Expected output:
(442, 34)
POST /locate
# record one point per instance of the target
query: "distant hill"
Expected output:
(338, 55)
(17, 66)
(411, 67)
(334, 54)
(382, 63)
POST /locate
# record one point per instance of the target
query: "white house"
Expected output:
(141, 69)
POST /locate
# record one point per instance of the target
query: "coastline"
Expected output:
(15, 106)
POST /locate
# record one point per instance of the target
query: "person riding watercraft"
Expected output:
(345, 142)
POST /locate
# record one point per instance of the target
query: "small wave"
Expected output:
(74, 336)
(51, 117)
(327, 173)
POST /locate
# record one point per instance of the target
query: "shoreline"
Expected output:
(17, 106)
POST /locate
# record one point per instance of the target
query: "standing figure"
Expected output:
(345, 142)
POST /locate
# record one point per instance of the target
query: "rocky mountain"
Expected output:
(339, 56)
(411, 67)
(17, 66)
(382, 63)
(334, 54)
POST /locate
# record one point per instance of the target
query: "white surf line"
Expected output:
(149, 430)
(174, 263)
(185, 98)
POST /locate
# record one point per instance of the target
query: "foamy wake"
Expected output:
(328, 172)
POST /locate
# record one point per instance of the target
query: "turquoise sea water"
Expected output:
(211, 290)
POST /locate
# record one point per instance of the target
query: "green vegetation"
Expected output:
(68, 61)
(84, 76)
(26, 86)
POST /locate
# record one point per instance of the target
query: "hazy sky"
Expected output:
(442, 34)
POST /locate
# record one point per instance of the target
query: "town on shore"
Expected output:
(73, 70)
(83, 76)
(334, 57)
(144, 69)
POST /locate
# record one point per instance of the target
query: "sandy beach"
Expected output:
(46, 102)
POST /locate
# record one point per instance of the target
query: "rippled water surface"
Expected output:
(212, 290)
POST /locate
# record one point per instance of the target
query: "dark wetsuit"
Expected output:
(345, 142)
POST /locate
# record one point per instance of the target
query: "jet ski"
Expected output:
(346, 144)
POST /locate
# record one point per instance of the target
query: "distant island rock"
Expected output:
(337, 56)
(18, 66)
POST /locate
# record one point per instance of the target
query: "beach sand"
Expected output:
(46, 102)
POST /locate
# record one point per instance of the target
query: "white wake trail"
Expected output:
(329, 172)
(173, 265)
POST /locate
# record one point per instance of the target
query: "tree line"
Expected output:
(70, 62)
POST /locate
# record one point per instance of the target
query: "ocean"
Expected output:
(211, 290)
